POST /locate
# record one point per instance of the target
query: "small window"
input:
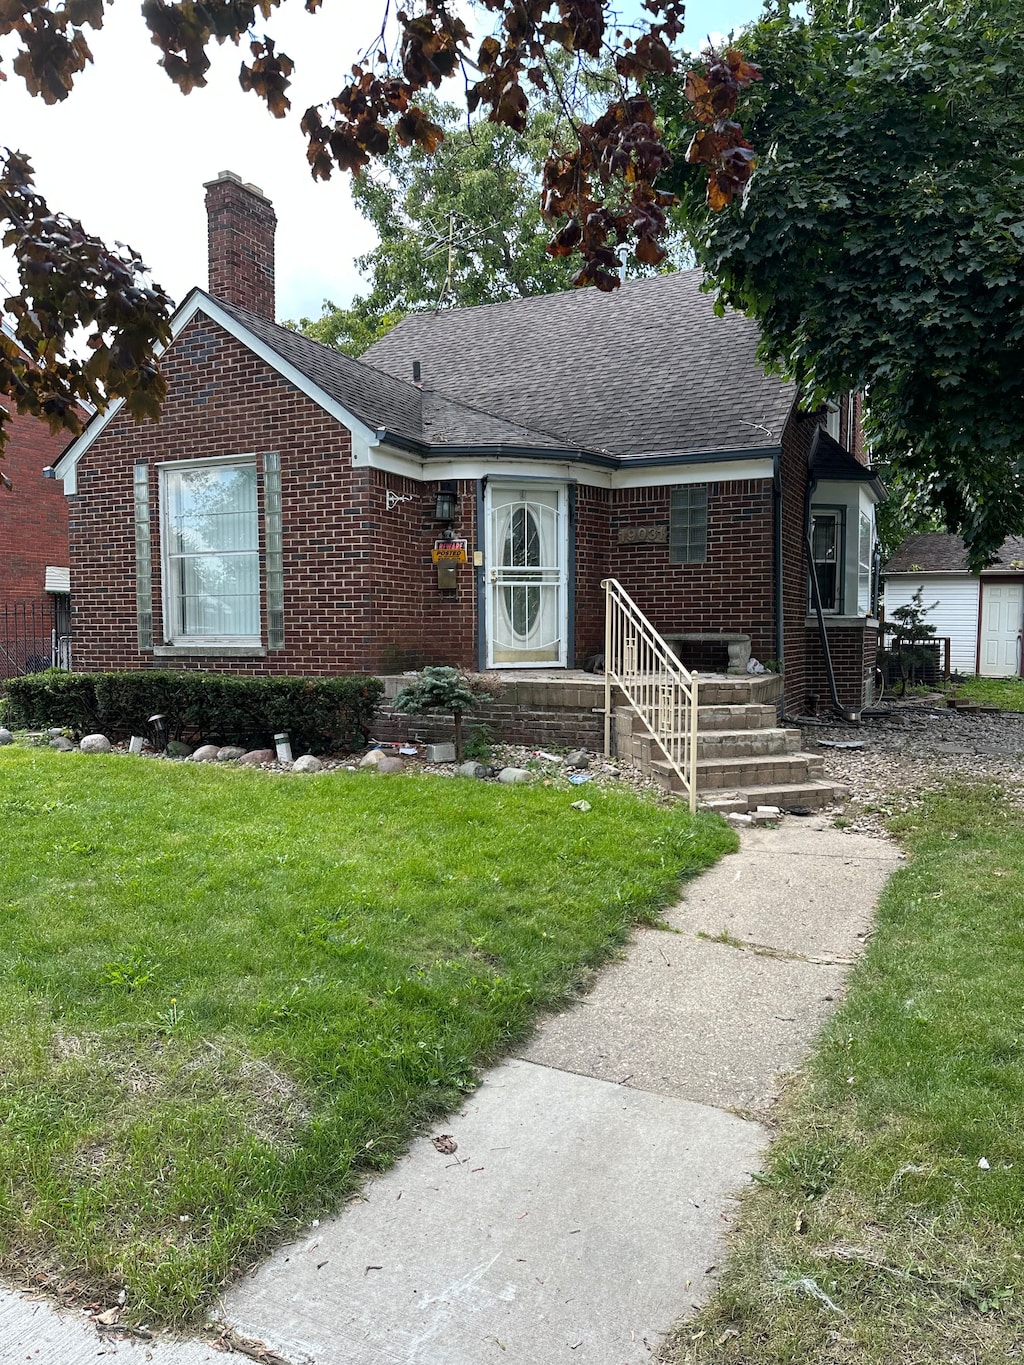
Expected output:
(826, 547)
(688, 525)
(864, 550)
(211, 553)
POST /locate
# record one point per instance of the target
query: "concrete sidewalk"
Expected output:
(584, 1208)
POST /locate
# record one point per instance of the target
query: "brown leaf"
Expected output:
(445, 1144)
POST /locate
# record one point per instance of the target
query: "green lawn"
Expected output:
(889, 1226)
(1006, 693)
(225, 995)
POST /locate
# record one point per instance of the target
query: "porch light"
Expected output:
(446, 502)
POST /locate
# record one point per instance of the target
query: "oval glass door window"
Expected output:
(525, 623)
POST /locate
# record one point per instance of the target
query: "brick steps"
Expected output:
(745, 758)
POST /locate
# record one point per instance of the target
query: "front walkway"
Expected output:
(584, 1205)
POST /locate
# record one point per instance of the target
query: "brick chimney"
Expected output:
(241, 223)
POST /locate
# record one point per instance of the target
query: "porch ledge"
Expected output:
(209, 651)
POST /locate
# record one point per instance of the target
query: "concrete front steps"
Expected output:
(744, 758)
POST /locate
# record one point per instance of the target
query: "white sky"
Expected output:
(127, 153)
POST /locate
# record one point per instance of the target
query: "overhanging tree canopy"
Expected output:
(880, 243)
(600, 192)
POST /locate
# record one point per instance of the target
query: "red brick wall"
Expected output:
(796, 442)
(240, 229)
(731, 591)
(360, 591)
(853, 649)
(33, 513)
(593, 508)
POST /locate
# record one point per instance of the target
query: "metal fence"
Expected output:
(34, 636)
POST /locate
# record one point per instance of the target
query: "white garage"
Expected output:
(981, 616)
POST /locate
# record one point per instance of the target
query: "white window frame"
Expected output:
(866, 535)
(180, 640)
(838, 515)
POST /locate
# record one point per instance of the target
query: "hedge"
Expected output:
(320, 714)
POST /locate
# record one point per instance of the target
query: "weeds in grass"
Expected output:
(231, 994)
(896, 1183)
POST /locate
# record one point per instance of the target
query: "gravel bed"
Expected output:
(914, 749)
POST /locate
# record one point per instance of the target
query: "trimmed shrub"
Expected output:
(320, 714)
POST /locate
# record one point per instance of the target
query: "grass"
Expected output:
(1006, 693)
(224, 996)
(889, 1223)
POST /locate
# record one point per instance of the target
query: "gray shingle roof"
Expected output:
(646, 370)
(380, 399)
(937, 552)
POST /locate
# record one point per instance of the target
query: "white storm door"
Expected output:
(525, 558)
(1002, 617)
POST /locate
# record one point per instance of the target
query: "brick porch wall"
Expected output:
(853, 649)
(731, 591)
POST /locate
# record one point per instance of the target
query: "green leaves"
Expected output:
(875, 243)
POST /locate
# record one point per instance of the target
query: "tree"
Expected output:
(911, 636)
(880, 242)
(460, 227)
(439, 688)
(601, 189)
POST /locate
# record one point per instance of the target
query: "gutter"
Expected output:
(780, 633)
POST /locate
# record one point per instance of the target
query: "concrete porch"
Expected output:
(744, 757)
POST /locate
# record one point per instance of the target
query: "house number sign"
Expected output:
(450, 552)
(644, 535)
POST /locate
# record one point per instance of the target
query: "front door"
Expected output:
(525, 558)
(1002, 617)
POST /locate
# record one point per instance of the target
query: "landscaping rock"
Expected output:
(474, 769)
(95, 744)
(206, 753)
(177, 748)
(255, 757)
(5, 736)
(62, 744)
(579, 758)
(229, 753)
(440, 753)
(390, 763)
(510, 775)
(736, 817)
(308, 764)
(371, 759)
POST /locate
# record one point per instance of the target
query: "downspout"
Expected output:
(852, 716)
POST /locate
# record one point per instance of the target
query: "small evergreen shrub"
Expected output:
(319, 714)
(439, 688)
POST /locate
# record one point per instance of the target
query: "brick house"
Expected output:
(34, 613)
(282, 516)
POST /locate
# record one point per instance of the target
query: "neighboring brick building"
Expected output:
(283, 514)
(33, 548)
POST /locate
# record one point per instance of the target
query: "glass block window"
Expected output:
(688, 524)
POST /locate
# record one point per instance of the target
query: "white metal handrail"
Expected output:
(659, 689)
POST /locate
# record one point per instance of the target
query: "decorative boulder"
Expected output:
(307, 764)
(207, 753)
(5, 736)
(95, 744)
(390, 763)
(177, 748)
(511, 775)
(579, 758)
(474, 769)
(255, 757)
(62, 744)
(371, 759)
(228, 753)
